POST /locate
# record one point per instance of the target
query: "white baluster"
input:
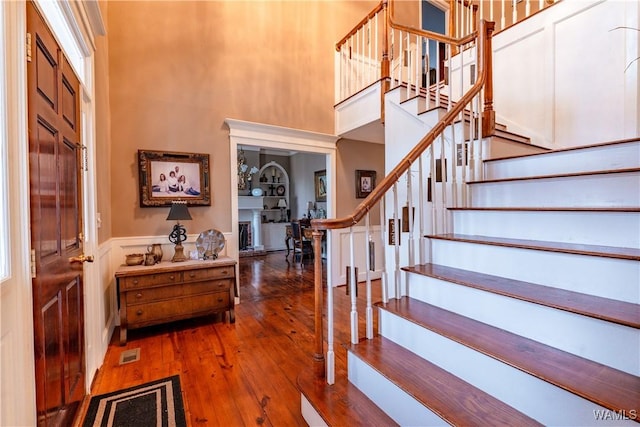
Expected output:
(418, 64)
(378, 58)
(443, 180)
(491, 10)
(412, 257)
(396, 242)
(367, 242)
(400, 58)
(353, 289)
(421, 205)
(432, 175)
(384, 283)
(370, 75)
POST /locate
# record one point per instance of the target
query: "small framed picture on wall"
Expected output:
(320, 181)
(365, 183)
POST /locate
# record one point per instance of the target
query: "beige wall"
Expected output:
(103, 130)
(178, 69)
(353, 155)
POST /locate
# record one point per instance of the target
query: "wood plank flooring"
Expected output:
(241, 374)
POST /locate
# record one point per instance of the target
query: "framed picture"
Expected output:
(365, 183)
(320, 180)
(167, 176)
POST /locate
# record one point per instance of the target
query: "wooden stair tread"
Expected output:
(603, 385)
(558, 175)
(454, 400)
(620, 312)
(342, 403)
(571, 248)
(549, 209)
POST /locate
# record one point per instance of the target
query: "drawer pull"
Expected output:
(139, 312)
(223, 272)
(220, 299)
(138, 295)
(172, 277)
(135, 281)
(192, 274)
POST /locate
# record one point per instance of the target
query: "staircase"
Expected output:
(528, 312)
(511, 296)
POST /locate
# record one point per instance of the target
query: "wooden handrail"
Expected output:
(359, 25)
(379, 191)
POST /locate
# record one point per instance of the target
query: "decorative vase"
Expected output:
(256, 192)
(156, 249)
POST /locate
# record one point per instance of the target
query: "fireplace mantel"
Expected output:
(255, 205)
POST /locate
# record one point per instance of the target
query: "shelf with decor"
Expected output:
(273, 180)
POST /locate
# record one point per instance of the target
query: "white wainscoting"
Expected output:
(342, 256)
(567, 65)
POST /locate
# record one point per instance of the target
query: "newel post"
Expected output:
(488, 115)
(318, 355)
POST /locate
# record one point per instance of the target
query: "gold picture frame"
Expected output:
(167, 176)
(320, 184)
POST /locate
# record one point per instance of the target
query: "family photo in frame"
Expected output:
(168, 176)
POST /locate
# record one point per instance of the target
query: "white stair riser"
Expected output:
(310, 415)
(573, 333)
(522, 391)
(602, 190)
(394, 401)
(621, 229)
(610, 157)
(605, 277)
(411, 105)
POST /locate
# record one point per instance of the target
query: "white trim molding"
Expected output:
(276, 137)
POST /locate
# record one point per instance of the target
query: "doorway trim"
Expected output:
(18, 407)
(269, 136)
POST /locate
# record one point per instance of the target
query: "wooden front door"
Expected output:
(56, 226)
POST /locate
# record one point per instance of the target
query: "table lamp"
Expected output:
(310, 207)
(282, 204)
(179, 211)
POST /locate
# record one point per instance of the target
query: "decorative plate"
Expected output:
(280, 190)
(256, 192)
(209, 243)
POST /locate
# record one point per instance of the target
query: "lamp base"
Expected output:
(178, 255)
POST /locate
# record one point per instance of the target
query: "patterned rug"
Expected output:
(157, 403)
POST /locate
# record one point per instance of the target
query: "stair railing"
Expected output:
(386, 195)
(504, 13)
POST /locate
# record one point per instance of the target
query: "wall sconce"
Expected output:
(179, 211)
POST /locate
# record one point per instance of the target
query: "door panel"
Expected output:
(56, 224)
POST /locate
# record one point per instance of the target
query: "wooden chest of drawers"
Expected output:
(149, 295)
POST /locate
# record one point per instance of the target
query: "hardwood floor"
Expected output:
(240, 374)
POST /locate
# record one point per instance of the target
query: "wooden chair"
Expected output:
(301, 245)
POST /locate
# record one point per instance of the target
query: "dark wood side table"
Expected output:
(168, 291)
